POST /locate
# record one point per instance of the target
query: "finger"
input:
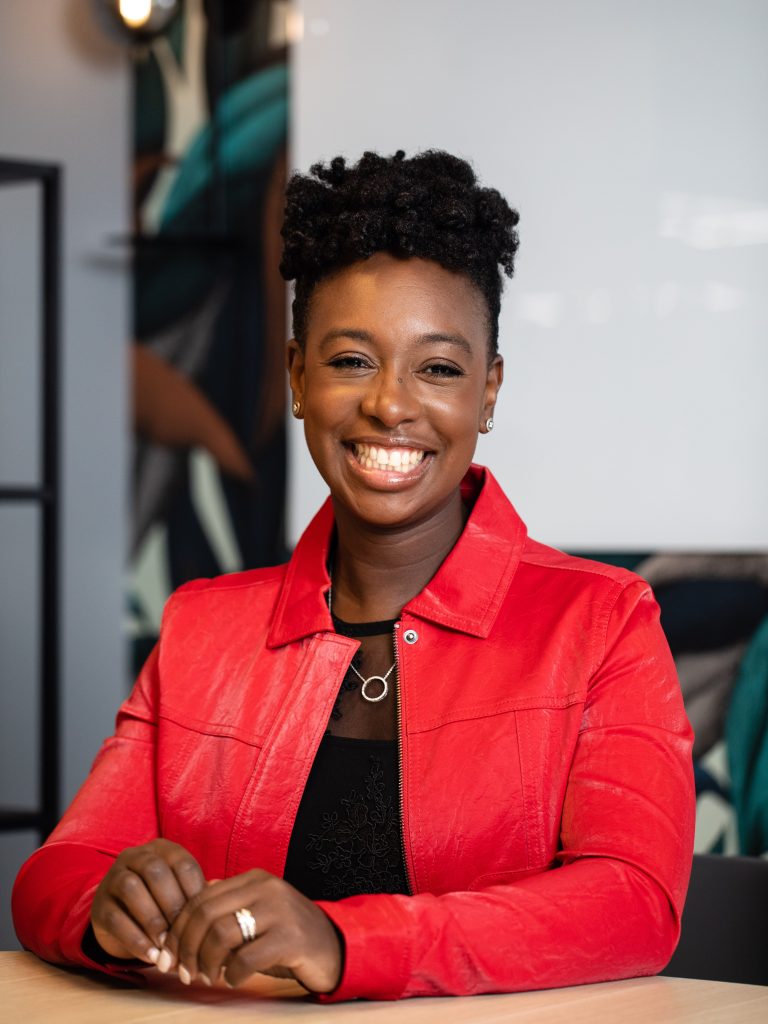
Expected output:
(213, 910)
(273, 953)
(130, 891)
(161, 881)
(224, 937)
(264, 954)
(120, 936)
(188, 874)
(191, 905)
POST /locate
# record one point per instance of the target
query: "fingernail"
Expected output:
(184, 975)
(153, 954)
(164, 961)
(161, 938)
(204, 978)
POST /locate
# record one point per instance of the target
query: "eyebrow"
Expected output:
(424, 339)
(345, 332)
(452, 339)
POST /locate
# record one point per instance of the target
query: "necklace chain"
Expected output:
(371, 679)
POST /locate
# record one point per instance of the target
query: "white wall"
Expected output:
(64, 97)
(632, 139)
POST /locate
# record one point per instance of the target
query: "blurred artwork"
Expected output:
(210, 130)
(714, 611)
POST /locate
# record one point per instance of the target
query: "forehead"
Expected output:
(385, 295)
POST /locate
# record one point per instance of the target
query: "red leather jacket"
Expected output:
(547, 793)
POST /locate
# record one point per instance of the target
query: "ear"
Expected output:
(492, 384)
(294, 360)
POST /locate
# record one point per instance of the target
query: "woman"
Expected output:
(429, 755)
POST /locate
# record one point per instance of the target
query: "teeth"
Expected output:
(400, 459)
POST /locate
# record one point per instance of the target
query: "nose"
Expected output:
(390, 399)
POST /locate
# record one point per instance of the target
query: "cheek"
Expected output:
(458, 416)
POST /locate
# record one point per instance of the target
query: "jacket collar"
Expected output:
(464, 594)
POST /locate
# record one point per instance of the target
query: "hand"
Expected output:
(294, 939)
(141, 896)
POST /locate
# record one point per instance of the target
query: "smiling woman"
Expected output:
(394, 383)
(427, 756)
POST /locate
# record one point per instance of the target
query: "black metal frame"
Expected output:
(47, 495)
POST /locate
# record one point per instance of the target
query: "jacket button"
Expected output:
(410, 636)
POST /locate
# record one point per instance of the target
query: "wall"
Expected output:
(64, 97)
(631, 138)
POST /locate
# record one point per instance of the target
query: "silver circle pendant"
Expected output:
(382, 695)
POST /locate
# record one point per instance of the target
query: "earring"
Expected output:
(489, 424)
(296, 407)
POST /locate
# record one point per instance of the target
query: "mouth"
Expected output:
(398, 460)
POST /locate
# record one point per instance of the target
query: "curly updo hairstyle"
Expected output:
(429, 205)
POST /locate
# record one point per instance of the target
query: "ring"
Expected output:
(247, 923)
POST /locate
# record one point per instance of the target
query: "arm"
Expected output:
(105, 865)
(612, 908)
(114, 809)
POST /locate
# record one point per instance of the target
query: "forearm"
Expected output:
(52, 900)
(597, 919)
(114, 808)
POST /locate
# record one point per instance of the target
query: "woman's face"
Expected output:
(394, 385)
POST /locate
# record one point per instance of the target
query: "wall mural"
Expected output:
(714, 610)
(210, 130)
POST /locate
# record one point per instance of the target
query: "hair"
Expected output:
(429, 206)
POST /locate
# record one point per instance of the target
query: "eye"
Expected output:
(349, 362)
(444, 370)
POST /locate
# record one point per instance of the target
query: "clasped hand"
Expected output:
(155, 904)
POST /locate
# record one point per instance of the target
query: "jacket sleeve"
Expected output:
(611, 907)
(114, 808)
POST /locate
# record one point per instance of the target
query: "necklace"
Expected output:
(374, 679)
(371, 679)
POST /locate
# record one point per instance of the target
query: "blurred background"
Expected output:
(144, 147)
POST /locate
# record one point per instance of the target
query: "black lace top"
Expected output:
(346, 838)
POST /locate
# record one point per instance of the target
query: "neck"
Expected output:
(377, 571)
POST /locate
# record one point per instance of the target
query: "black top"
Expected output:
(346, 838)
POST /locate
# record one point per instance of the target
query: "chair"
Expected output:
(725, 922)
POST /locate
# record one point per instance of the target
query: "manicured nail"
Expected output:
(161, 938)
(204, 978)
(153, 954)
(184, 975)
(164, 961)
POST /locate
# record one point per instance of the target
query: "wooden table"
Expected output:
(32, 991)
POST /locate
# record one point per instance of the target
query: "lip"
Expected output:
(390, 442)
(387, 479)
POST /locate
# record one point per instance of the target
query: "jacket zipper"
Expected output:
(398, 706)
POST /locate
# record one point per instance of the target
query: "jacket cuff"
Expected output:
(52, 875)
(377, 950)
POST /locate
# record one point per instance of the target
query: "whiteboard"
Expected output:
(632, 138)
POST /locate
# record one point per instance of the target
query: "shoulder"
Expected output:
(233, 594)
(233, 581)
(591, 603)
(555, 563)
(570, 582)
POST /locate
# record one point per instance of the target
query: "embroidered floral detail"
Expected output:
(358, 847)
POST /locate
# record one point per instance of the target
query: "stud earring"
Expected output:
(489, 424)
(296, 407)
